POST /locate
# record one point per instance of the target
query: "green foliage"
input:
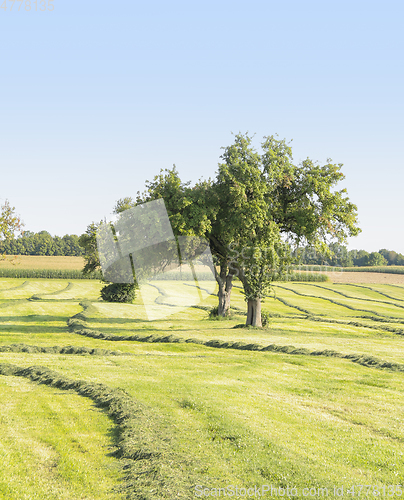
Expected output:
(113, 292)
(393, 258)
(119, 292)
(214, 312)
(190, 209)
(88, 243)
(305, 204)
(42, 243)
(338, 256)
(265, 318)
(256, 207)
(10, 222)
(268, 197)
(244, 224)
(375, 259)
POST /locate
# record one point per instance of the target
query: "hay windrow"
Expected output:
(70, 349)
(78, 325)
(151, 468)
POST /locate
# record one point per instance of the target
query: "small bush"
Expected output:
(119, 292)
(265, 317)
(214, 312)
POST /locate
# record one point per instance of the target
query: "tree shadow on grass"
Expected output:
(32, 318)
(9, 303)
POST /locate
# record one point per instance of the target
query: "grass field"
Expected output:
(99, 403)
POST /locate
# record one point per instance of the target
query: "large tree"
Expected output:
(257, 208)
(259, 205)
(273, 204)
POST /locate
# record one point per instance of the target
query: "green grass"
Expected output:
(55, 445)
(198, 401)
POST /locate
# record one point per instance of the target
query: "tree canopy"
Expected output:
(254, 211)
(271, 204)
(42, 243)
(258, 208)
(10, 222)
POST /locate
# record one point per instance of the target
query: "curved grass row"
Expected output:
(18, 287)
(151, 467)
(376, 291)
(57, 292)
(70, 349)
(318, 318)
(347, 306)
(359, 286)
(78, 325)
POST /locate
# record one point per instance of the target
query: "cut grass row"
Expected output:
(78, 325)
(143, 443)
(54, 445)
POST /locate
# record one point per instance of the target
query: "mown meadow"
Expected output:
(100, 403)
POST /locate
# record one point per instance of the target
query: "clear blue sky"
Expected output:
(96, 97)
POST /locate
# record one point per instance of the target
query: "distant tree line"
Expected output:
(42, 243)
(342, 257)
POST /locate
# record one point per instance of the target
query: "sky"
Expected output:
(96, 97)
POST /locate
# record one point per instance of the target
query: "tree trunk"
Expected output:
(254, 312)
(253, 304)
(224, 302)
(225, 282)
